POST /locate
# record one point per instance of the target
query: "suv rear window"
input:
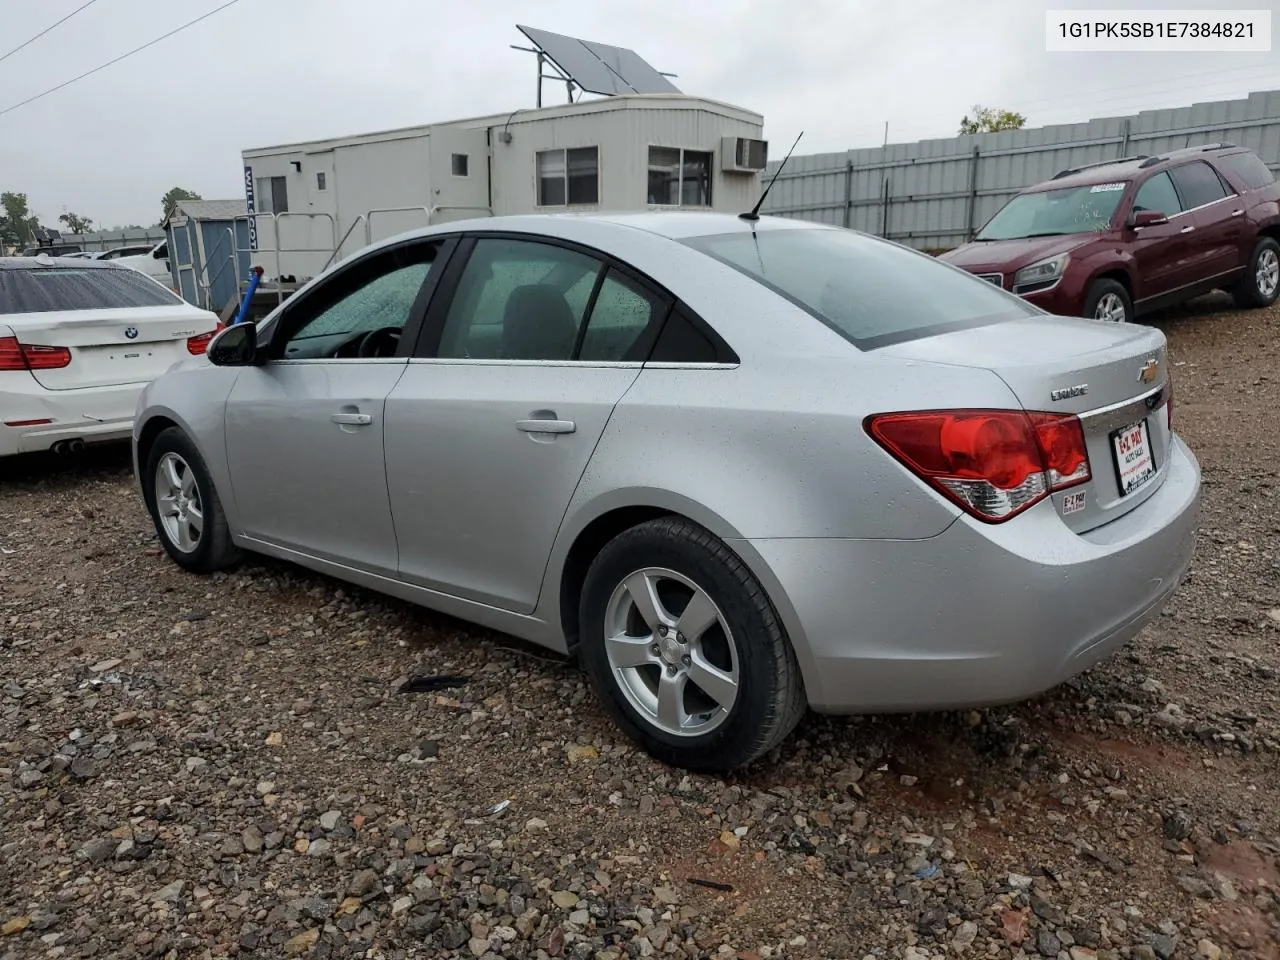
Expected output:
(870, 291)
(1248, 169)
(45, 289)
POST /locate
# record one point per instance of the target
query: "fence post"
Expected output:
(848, 193)
(972, 206)
(1124, 141)
(884, 207)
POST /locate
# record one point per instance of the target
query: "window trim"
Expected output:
(680, 204)
(282, 323)
(432, 329)
(564, 155)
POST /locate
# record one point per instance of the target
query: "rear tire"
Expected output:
(1108, 300)
(684, 649)
(179, 493)
(1261, 283)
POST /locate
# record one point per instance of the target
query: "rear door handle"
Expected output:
(546, 426)
(1237, 213)
(352, 419)
(1187, 229)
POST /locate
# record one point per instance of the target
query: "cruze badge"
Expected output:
(1148, 372)
(131, 333)
(1066, 393)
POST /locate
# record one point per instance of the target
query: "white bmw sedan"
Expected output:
(79, 339)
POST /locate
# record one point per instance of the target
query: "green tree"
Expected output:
(991, 119)
(76, 223)
(18, 224)
(174, 197)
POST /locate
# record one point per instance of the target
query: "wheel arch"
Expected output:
(595, 525)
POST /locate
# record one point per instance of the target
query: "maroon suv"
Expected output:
(1118, 239)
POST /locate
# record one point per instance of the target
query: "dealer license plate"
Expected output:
(1134, 463)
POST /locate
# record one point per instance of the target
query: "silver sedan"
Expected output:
(740, 467)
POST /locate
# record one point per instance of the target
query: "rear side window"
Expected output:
(1198, 183)
(45, 289)
(870, 291)
(1248, 169)
(1158, 194)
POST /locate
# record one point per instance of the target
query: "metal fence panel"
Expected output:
(937, 193)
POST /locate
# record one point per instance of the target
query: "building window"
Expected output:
(460, 165)
(320, 180)
(271, 195)
(568, 177)
(679, 177)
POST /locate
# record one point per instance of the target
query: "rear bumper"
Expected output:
(979, 614)
(93, 414)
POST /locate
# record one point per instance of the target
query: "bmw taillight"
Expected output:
(30, 356)
(198, 345)
(993, 463)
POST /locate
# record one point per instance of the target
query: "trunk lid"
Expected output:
(114, 346)
(1115, 377)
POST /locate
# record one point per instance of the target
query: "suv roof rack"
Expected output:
(1205, 148)
(1101, 163)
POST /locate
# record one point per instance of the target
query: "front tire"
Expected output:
(1108, 300)
(684, 649)
(184, 505)
(1261, 284)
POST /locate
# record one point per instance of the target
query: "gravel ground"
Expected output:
(227, 766)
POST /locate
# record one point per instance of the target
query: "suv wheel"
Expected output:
(1108, 300)
(179, 494)
(684, 649)
(1261, 284)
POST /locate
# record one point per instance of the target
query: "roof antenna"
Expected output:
(755, 211)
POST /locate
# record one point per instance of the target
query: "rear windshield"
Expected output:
(1052, 213)
(44, 289)
(870, 291)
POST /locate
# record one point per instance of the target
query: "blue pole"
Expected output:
(255, 277)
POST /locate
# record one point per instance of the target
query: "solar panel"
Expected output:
(599, 67)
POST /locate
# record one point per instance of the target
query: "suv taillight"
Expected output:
(30, 356)
(993, 463)
(198, 345)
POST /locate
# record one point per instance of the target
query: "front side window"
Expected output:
(1158, 194)
(44, 289)
(568, 177)
(1198, 183)
(679, 177)
(519, 300)
(868, 290)
(1053, 213)
(366, 310)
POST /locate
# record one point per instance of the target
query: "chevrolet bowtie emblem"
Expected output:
(1148, 372)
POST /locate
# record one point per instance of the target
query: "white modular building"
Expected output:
(315, 202)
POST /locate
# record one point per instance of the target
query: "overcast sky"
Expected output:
(275, 71)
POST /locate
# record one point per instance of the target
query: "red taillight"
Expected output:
(30, 356)
(993, 463)
(198, 345)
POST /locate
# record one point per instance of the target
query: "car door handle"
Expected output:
(1186, 229)
(546, 426)
(1237, 213)
(352, 419)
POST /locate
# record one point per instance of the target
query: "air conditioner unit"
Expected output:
(743, 155)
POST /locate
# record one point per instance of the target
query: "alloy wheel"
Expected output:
(1267, 275)
(178, 502)
(1110, 307)
(672, 652)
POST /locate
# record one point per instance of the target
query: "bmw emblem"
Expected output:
(131, 333)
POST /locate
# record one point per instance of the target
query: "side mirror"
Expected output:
(1146, 218)
(236, 346)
